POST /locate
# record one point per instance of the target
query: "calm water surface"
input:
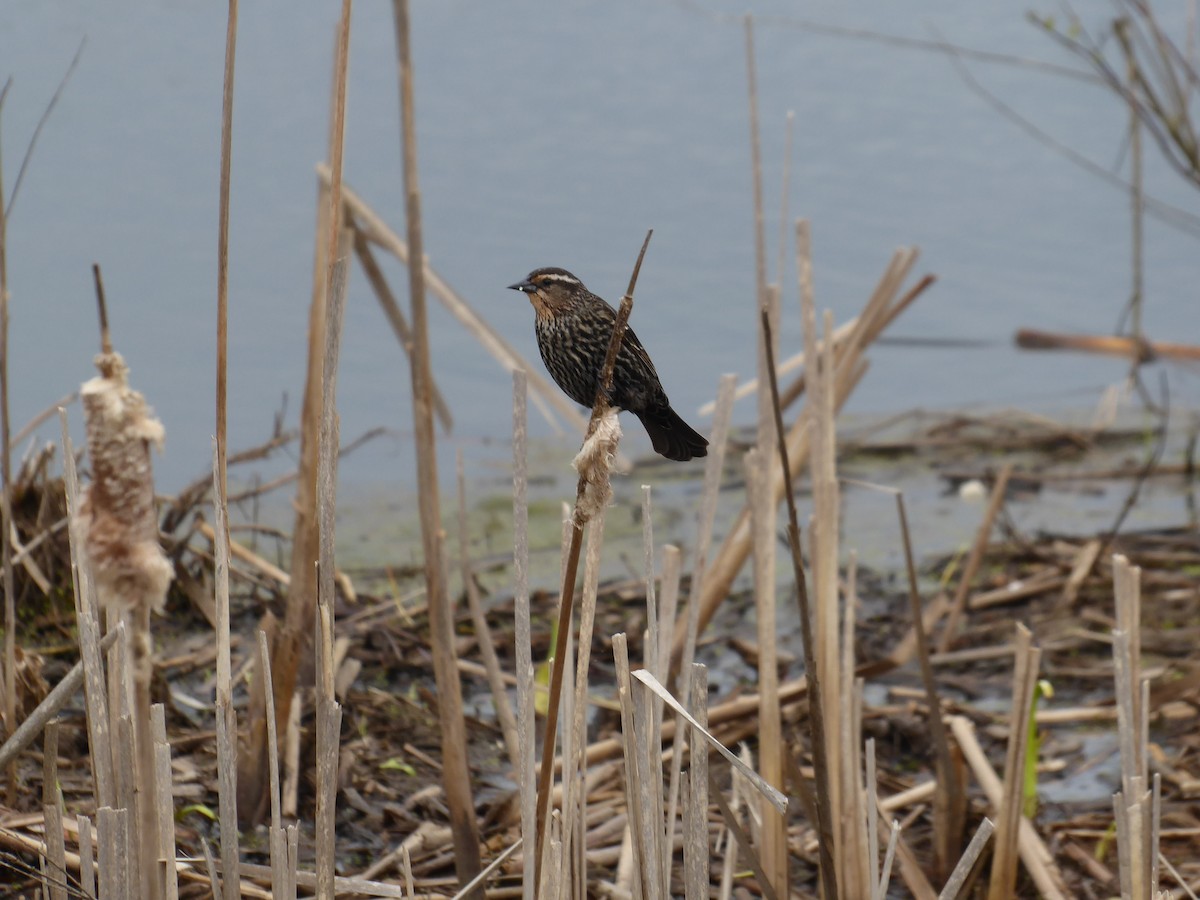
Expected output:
(555, 134)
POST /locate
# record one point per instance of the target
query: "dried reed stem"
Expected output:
(167, 873)
(222, 249)
(1034, 853)
(651, 642)
(329, 713)
(578, 520)
(857, 864)
(910, 867)
(526, 761)
(655, 861)
(329, 721)
(576, 710)
(54, 871)
(824, 823)
(633, 773)
(483, 876)
(824, 666)
(1003, 882)
(87, 862)
(226, 716)
(760, 244)
(689, 627)
(292, 641)
(950, 802)
(774, 837)
(456, 774)
(87, 622)
(771, 743)
(695, 804)
(483, 634)
(6, 521)
(784, 219)
(277, 840)
(1136, 805)
(112, 829)
(958, 877)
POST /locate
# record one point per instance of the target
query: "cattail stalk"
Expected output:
(456, 774)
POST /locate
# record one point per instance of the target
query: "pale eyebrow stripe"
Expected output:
(556, 276)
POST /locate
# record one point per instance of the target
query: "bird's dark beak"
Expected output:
(524, 287)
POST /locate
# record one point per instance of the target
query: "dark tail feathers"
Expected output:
(671, 436)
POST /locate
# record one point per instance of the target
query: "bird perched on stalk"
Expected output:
(573, 328)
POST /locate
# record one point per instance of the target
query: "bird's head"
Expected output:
(550, 289)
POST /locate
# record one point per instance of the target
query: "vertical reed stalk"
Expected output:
(574, 759)
(455, 773)
(329, 713)
(688, 628)
(578, 520)
(651, 637)
(1003, 881)
(292, 641)
(823, 538)
(816, 717)
(87, 861)
(483, 634)
(950, 801)
(857, 864)
(633, 774)
(784, 219)
(774, 848)
(760, 243)
(523, 653)
(771, 743)
(695, 813)
(114, 852)
(54, 871)
(278, 837)
(1136, 197)
(1136, 805)
(6, 522)
(226, 716)
(7, 527)
(223, 254)
(668, 609)
(87, 621)
(169, 876)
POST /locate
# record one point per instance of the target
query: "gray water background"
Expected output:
(556, 134)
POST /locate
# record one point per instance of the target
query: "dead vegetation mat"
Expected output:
(390, 779)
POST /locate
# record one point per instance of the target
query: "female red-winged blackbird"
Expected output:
(573, 329)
